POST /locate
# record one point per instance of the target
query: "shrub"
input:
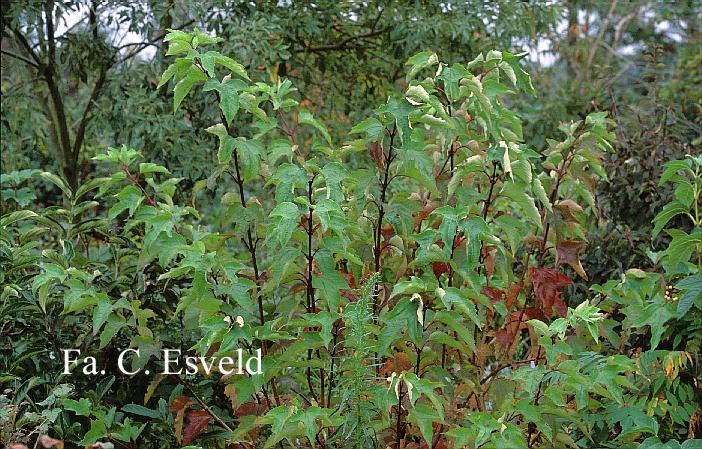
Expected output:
(406, 286)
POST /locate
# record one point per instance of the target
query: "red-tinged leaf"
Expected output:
(348, 294)
(568, 251)
(297, 288)
(388, 232)
(509, 297)
(425, 212)
(47, 441)
(495, 294)
(439, 268)
(18, 446)
(350, 279)
(512, 294)
(560, 306)
(508, 336)
(247, 409)
(180, 403)
(534, 313)
(376, 153)
(503, 337)
(198, 420)
(398, 363)
(546, 282)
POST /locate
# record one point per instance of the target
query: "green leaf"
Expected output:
(419, 61)
(371, 127)
(114, 324)
(425, 416)
(681, 247)
(411, 169)
(284, 219)
(228, 92)
(692, 294)
(177, 69)
(88, 186)
(672, 170)
(325, 319)
(97, 430)
(523, 78)
(452, 298)
(334, 174)
(330, 282)
(277, 418)
(140, 410)
(60, 183)
(330, 216)
(183, 87)
(463, 331)
(475, 87)
(232, 65)
(16, 216)
(305, 118)
(517, 192)
(538, 188)
(229, 104)
(402, 317)
(81, 407)
(148, 167)
(664, 216)
(102, 311)
(130, 197)
(425, 388)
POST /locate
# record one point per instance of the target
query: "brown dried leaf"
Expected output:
(568, 251)
(568, 209)
(152, 387)
(512, 294)
(178, 425)
(397, 363)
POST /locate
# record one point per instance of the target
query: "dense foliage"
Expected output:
(430, 260)
(460, 338)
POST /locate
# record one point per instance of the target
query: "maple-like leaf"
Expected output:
(198, 420)
(568, 251)
(546, 282)
(398, 363)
